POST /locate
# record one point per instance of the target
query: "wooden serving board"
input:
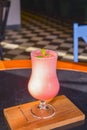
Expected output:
(19, 117)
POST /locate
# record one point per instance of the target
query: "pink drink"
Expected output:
(43, 83)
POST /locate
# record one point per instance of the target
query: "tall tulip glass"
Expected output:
(43, 83)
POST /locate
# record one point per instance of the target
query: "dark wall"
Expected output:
(48, 7)
(63, 8)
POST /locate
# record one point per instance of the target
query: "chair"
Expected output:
(79, 31)
(4, 10)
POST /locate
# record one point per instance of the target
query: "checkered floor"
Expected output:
(42, 32)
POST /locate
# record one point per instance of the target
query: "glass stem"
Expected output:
(42, 104)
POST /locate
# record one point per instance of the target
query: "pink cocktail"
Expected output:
(43, 83)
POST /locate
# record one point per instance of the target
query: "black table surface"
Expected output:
(13, 91)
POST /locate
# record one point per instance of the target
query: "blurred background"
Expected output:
(36, 24)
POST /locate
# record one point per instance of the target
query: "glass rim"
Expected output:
(54, 54)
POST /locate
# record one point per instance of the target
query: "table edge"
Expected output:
(16, 64)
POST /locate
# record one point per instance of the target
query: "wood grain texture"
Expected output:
(19, 117)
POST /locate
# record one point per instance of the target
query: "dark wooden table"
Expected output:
(14, 76)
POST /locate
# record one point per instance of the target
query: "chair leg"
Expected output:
(1, 53)
(75, 50)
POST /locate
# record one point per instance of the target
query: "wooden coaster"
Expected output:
(19, 117)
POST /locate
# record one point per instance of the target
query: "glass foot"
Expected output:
(43, 111)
